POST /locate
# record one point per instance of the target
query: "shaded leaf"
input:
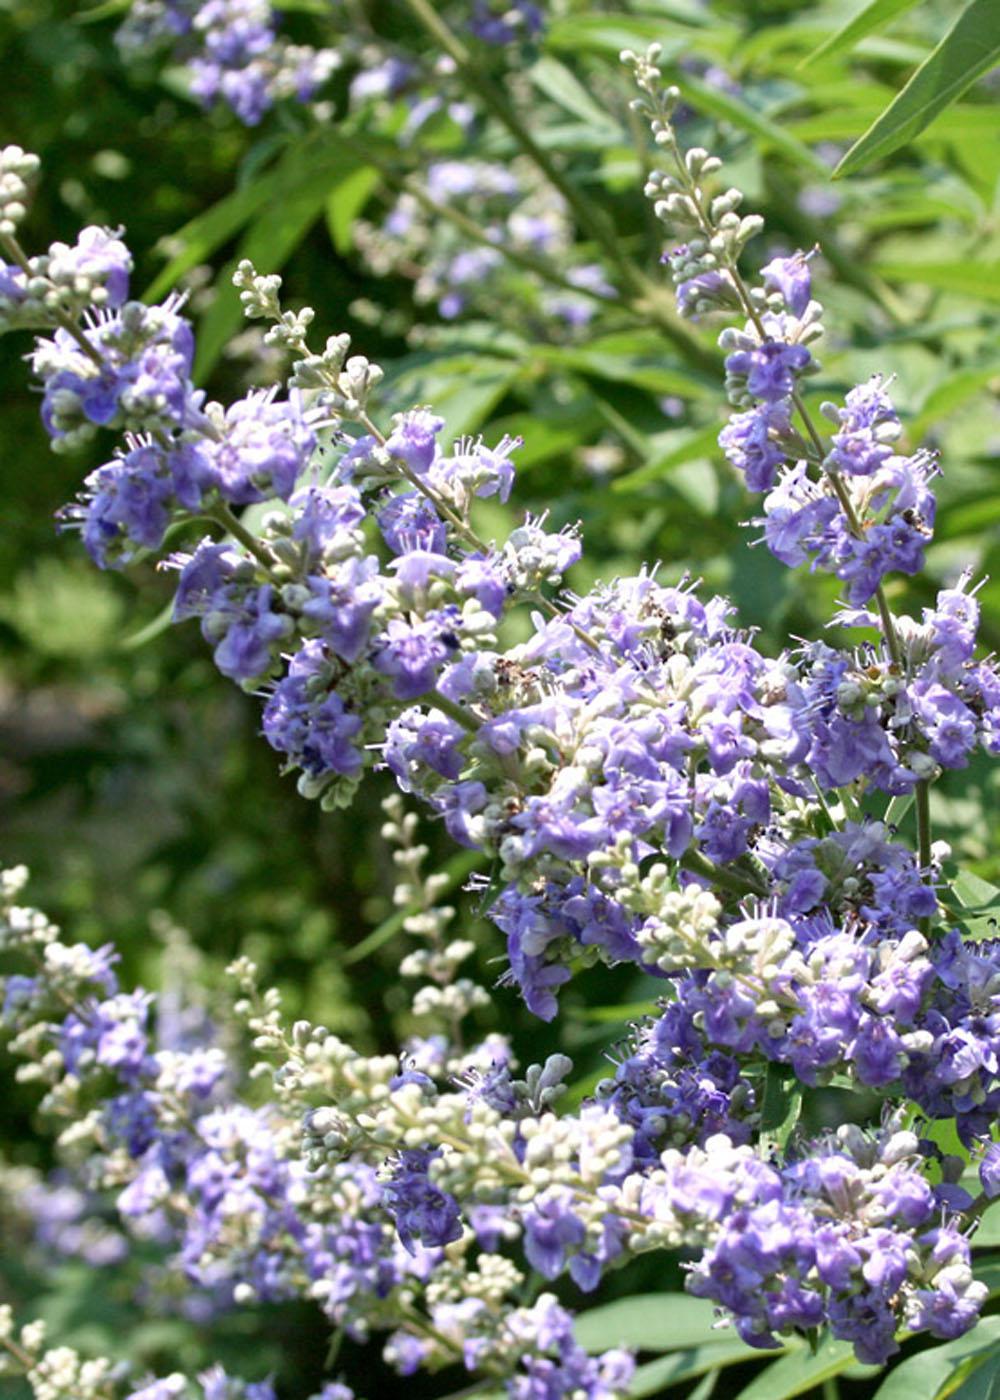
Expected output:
(781, 1106)
(970, 48)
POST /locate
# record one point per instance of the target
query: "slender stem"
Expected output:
(923, 805)
(979, 1207)
(453, 711)
(19, 1354)
(638, 286)
(223, 515)
(726, 879)
(13, 247)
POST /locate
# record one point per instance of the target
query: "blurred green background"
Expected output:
(132, 776)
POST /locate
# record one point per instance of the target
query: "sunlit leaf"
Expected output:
(970, 48)
(770, 133)
(928, 1372)
(651, 1322)
(873, 17)
(802, 1371)
(971, 279)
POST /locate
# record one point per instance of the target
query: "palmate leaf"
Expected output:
(970, 48)
(875, 15)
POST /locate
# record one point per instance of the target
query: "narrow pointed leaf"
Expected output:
(771, 134)
(969, 49)
(652, 1322)
(930, 1371)
(873, 17)
(800, 1372)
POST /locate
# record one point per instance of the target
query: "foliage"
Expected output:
(136, 781)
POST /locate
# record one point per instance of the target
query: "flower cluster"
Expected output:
(851, 506)
(60, 1373)
(650, 788)
(465, 222)
(231, 52)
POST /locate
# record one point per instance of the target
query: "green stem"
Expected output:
(638, 287)
(923, 805)
(67, 322)
(453, 711)
(979, 1207)
(725, 879)
(223, 515)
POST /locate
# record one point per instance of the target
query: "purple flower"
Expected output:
(99, 256)
(412, 653)
(413, 439)
(770, 369)
(552, 1231)
(409, 521)
(263, 448)
(306, 719)
(748, 444)
(420, 1211)
(790, 278)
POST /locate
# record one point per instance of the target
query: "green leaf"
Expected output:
(346, 201)
(801, 1371)
(950, 393)
(982, 1384)
(979, 280)
(969, 49)
(926, 1373)
(628, 1011)
(769, 133)
(271, 239)
(897, 808)
(782, 1104)
(102, 11)
(987, 1270)
(629, 357)
(607, 35)
(556, 81)
(987, 1235)
(972, 892)
(693, 446)
(464, 389)
(651, 1322)
(682, 1366)
(874, 16)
